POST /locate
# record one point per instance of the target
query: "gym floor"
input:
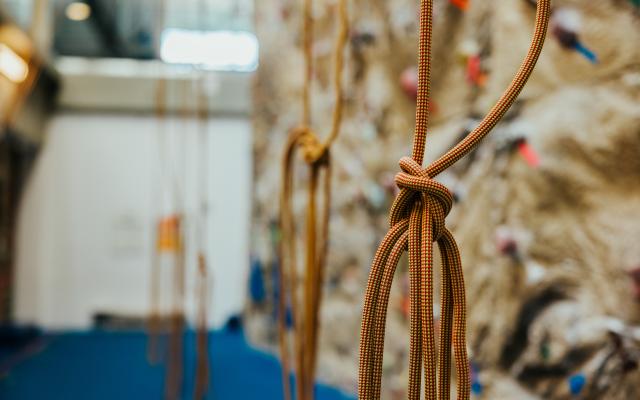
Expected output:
(98, 364)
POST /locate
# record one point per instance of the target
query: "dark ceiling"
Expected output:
(130, 28)
(115, 28)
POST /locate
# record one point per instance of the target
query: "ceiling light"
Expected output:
(78, 11)
(12, 66)
(216, 50)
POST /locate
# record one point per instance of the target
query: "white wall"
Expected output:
(86, 225)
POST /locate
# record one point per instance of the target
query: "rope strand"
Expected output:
(417, 219)
(316, 155)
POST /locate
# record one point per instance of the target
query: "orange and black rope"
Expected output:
(417, 219)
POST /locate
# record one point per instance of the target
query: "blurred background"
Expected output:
(140, 165)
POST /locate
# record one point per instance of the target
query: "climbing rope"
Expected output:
(203, 369)
(417, 219)
(202, 333)
(202, 290)
(157, 320)
(316, 155)
(175, 360)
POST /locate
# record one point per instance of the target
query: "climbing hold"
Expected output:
(288, 317)
(506, 242)
(576, 383)
(461, 4)
(475, 74)
(409, 82)
(256, 283)
(476, 385)
(528, 153)
(566, 25)
(405, 306)
(514, 138)
(476, 388)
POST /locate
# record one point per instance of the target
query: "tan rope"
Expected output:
(202, 289)
(202, 333)
(175, 367)
(154, 324)
(175, 363)
(416, 221)
(155, 320)
(317, 156)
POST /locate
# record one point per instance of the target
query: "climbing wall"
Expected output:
(547, 207)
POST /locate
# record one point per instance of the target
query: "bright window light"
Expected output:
(78, 11)
(12, 65)
(216, 50)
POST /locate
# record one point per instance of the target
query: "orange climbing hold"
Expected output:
(461, 4)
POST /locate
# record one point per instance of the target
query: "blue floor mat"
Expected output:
(99, 365)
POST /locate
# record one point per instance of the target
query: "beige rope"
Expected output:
(317, 156)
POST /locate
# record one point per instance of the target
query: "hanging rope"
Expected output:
(175, 361)
(156, 320)
(316, 155)
(416, 221)
(202, 334)
(202, 290)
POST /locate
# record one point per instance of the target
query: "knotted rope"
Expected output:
(316, 156)
(417, 219)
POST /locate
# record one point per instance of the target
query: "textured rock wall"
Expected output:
(547, 245)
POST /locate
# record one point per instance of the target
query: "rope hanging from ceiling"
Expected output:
(171, 239)
(202, 275)
(417, 219)
(316, 155)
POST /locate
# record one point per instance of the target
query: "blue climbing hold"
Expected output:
(588, 54)
(476, 388)
(256, 283)
(289, 317)
(576, 383)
